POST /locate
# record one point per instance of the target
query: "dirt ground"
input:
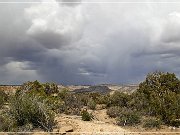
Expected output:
(99, 124)
(102, 124)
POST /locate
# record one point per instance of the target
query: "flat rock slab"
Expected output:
(66, 129)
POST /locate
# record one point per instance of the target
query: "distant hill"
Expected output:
(91, 89)
(106, 88)
(103, 88)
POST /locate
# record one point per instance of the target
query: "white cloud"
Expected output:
(64, 23)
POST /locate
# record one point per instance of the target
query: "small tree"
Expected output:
(159, 94)
(50, 88)
(119, 99)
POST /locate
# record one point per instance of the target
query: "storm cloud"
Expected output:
(88, 43)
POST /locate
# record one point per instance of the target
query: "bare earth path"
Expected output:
(66, 122)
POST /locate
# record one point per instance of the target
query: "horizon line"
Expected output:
(78, 84)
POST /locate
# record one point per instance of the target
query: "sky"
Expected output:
(88, 42)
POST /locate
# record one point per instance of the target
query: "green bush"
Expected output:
(7, 123)
(104, 99)
(83, 97)
(175, 123)
(31, 109)
(28, 86)
(91, 104)
(119, 99)
(3, 98)
(86, 116)
(54, 103)
(25, 128)
(32, 106)
(71, 105)
(50, 88)
(114, 111)
(63, 93)
(128, 117)
(159, 96)
(94, 96)
(72, 102)
(39, 88)
(88, 98)
(152, 123)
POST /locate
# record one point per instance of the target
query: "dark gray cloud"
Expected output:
(87, 43)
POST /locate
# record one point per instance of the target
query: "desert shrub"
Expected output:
(54, 103)
(94, 96)
(159, 96)
(25, 128)
(104, 99)
(175, 123)
(119, 99)
(63, 93)
(50, 88)
(39, 88)
(7, 123)
(83, 98)
(152, 123)
(86, 116)
(28, 86)
(91, 104)
(87, 97)
(72, 105)
(128, 117)
(32, 109)
(3, 98)
(114, 111)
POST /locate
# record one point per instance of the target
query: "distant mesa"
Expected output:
(93, 89)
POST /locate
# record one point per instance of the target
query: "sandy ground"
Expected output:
(101, 124)
(88, 126)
